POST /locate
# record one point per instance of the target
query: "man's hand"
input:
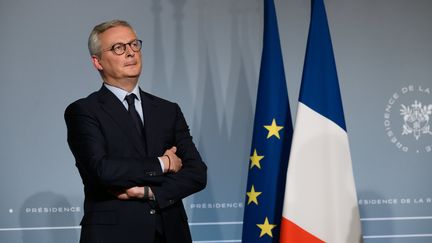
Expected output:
(172, 163)
(122, 196)
(136, 192)
(131, 193)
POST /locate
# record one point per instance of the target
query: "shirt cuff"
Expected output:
(161, 164)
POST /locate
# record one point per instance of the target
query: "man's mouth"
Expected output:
(130, 64)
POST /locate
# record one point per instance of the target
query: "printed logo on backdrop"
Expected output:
(216, 205)
(50, 210)
(408, 119)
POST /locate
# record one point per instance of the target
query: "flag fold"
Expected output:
(320, 198)
(270, 141)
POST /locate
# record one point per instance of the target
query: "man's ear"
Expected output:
(96, 62)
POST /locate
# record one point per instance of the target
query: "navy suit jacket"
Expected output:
(111, 155)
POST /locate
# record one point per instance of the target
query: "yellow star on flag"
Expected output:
(253, 196)
(273, 129)
(255, 160)
(266, 228)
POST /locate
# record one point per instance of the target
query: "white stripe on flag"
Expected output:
(320, 195)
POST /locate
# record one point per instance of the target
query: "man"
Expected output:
(133, 150)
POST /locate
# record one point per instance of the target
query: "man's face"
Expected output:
(118, 68)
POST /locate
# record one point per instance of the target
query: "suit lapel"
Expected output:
(150, 120)
(115, 109)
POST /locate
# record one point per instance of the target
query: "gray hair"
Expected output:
(94, 44)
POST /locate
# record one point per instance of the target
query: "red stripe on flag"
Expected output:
(292, 233)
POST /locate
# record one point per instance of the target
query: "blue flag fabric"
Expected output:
(271, 141)
(320, 87)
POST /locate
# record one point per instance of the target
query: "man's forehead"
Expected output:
(118, 34)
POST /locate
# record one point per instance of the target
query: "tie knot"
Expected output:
(130, 99)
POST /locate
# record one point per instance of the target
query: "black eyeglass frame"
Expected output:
(121, 51)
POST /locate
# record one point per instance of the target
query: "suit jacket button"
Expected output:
(152, 211)
(151, 173)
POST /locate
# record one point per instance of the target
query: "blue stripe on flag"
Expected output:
(320, 87)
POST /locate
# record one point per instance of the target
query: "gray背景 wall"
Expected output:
(205, 55)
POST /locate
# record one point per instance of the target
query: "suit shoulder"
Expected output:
(86, 102)
(158, 100)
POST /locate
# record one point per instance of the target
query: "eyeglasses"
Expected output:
(120, 48)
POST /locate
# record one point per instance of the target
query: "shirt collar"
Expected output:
(121, 94)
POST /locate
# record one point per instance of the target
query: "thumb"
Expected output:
(173, 149)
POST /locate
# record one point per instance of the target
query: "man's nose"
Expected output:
(129, 51)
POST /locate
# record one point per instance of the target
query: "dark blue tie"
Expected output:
(130, 99)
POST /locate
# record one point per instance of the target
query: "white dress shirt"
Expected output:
(121, 95)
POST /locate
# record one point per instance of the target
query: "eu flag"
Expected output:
(271, 141)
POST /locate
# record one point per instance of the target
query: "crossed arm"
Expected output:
(126, 177)
(172, 164)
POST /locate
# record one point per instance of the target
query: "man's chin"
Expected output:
(133, 74)
(132, 78)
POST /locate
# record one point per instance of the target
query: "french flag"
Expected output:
(320, 202)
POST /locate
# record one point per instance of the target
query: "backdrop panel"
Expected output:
(205, 55)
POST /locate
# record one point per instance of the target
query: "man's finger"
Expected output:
(173, 149)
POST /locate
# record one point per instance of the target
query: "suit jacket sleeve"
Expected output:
(193, 175)
(97, 166)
